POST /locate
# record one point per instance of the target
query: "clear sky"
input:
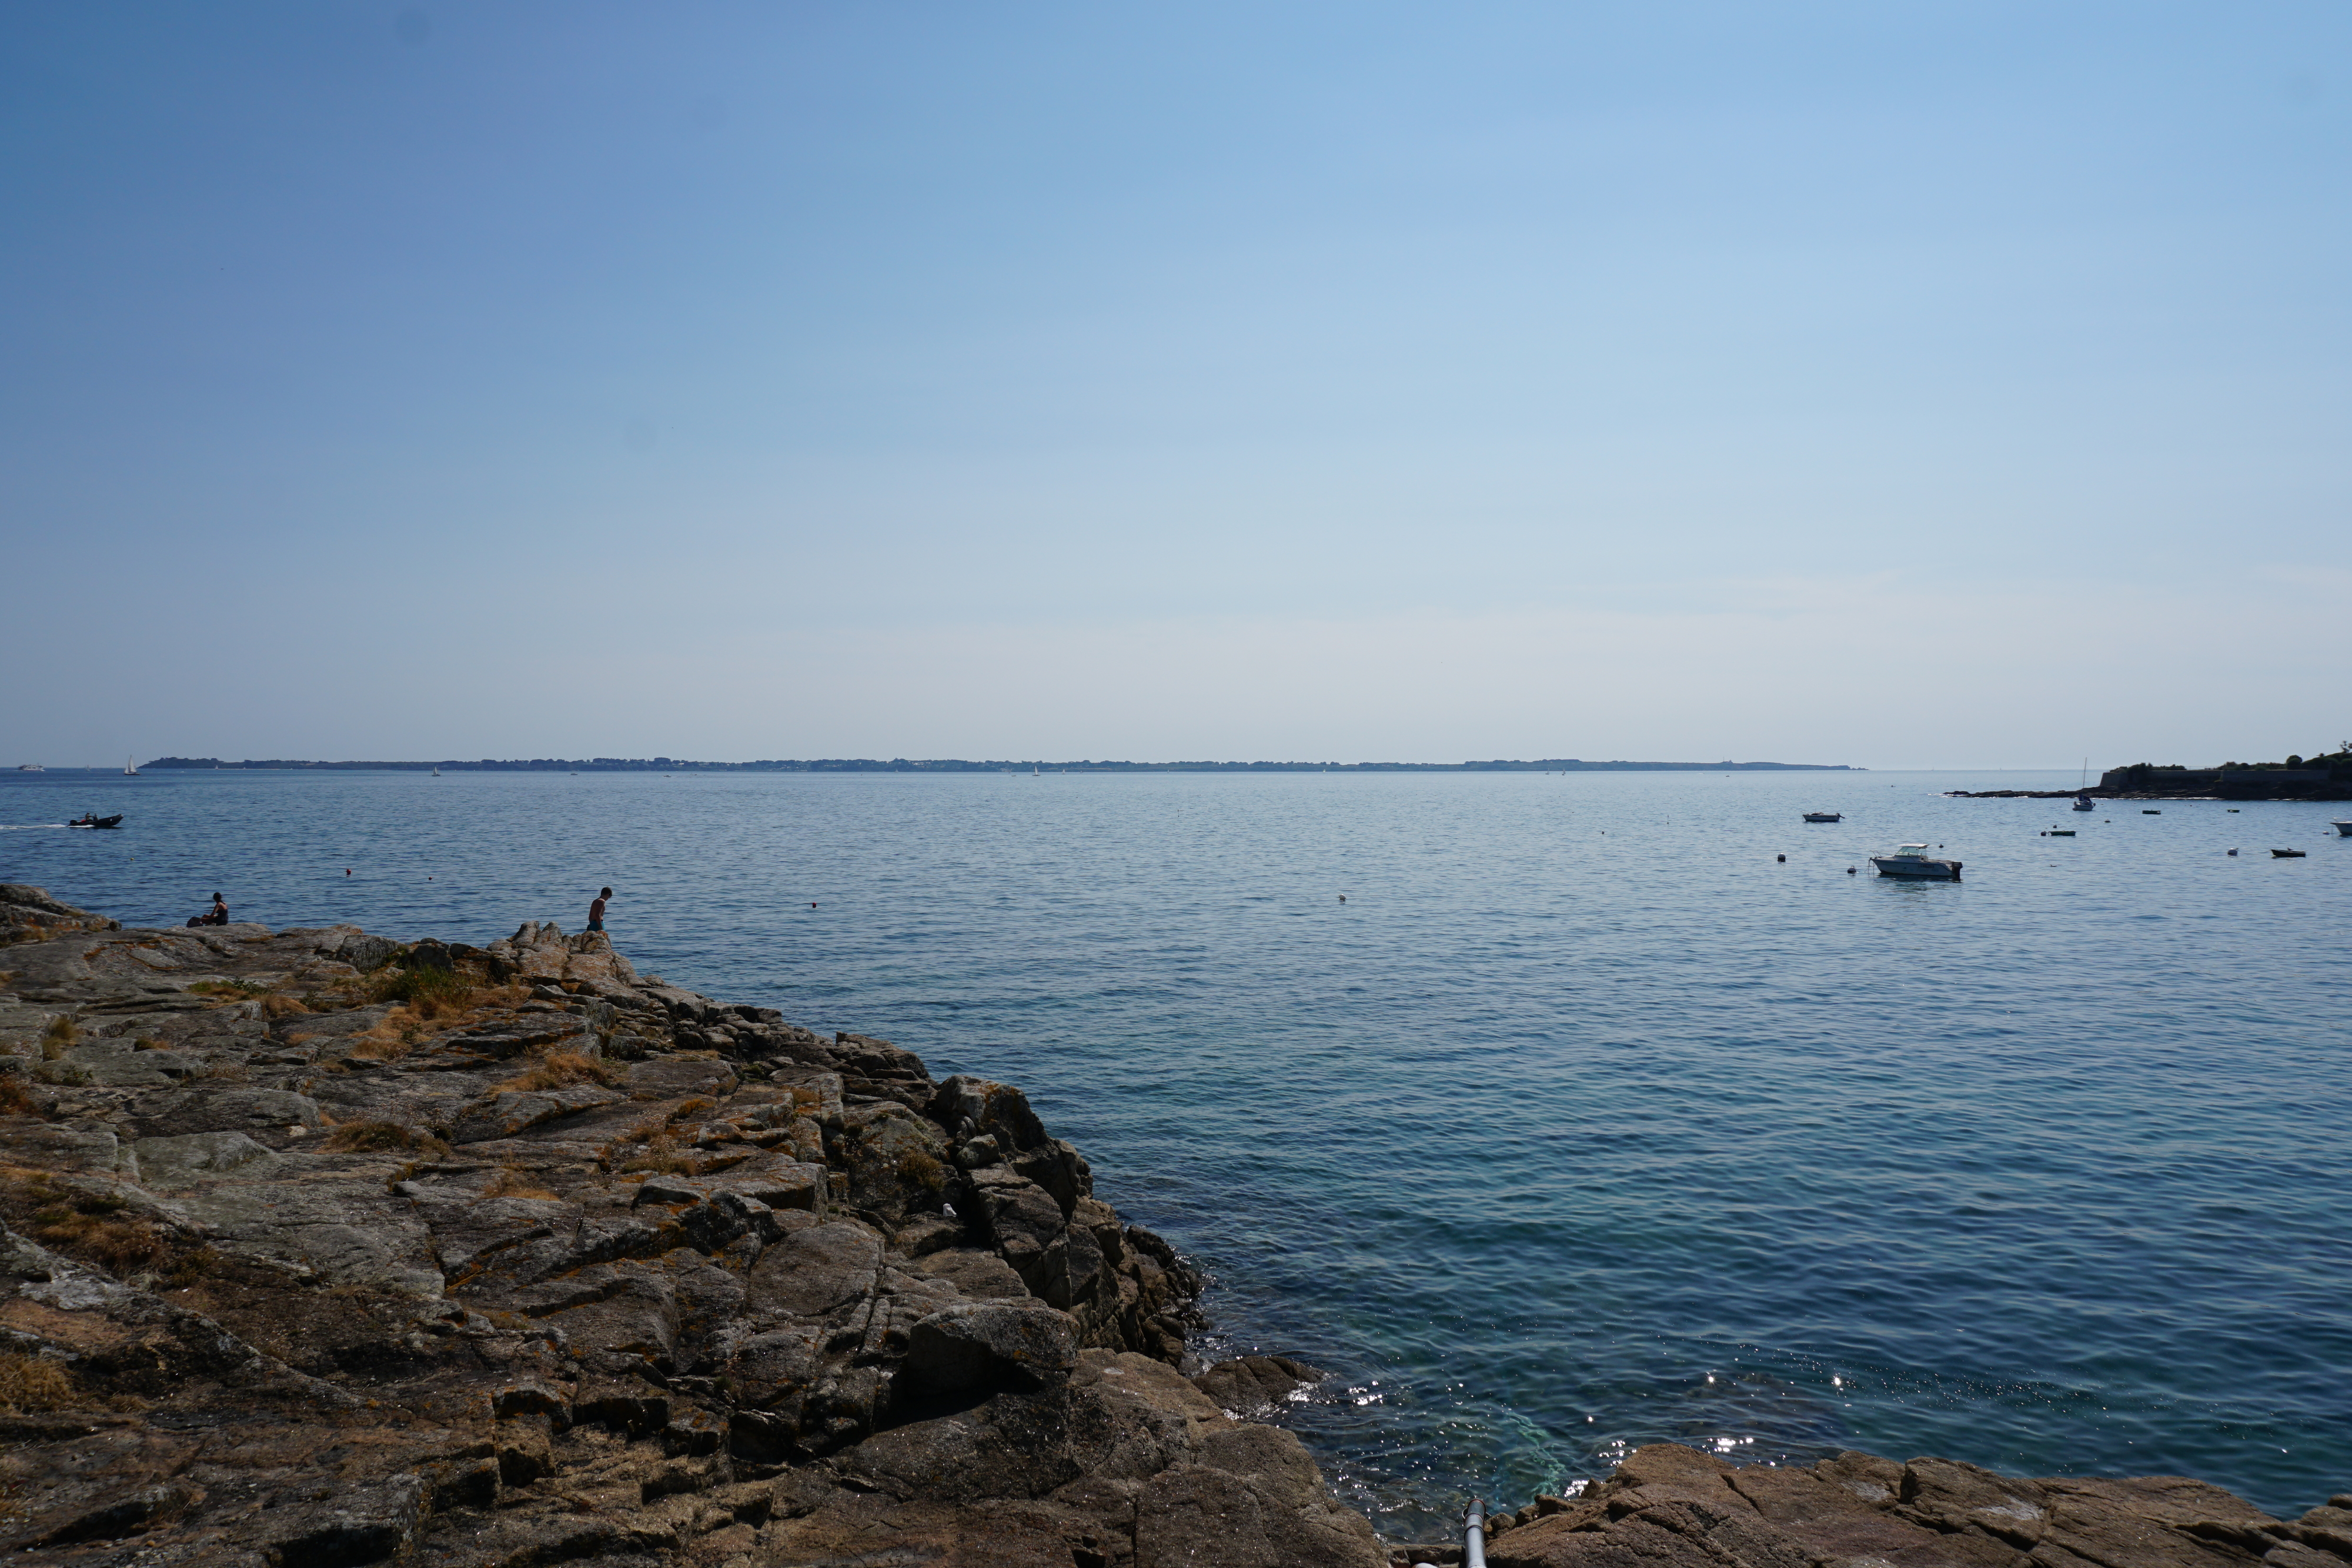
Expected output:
(1899, 384)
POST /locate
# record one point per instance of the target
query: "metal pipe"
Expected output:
(1474, 1534)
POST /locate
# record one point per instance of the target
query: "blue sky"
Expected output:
(1934, 385)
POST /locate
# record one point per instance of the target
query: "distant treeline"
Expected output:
(958, 765)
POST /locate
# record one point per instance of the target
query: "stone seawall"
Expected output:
(319, 1249)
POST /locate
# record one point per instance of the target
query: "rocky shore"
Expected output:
(2322, 779)
(1671, 1507)
(321, 1248)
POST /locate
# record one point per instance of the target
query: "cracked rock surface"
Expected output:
(324, 1248)
(1671, 1507)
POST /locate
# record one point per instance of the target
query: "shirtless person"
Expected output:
(596, 911)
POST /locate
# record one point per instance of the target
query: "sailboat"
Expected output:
(2082, 788)
(437, 773)
(129, 771)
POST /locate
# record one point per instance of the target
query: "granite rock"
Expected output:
(573, 1266)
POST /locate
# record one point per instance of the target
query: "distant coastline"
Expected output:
(959, 764)
(2328, 777)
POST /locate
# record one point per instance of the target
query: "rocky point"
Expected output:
(320, 1249)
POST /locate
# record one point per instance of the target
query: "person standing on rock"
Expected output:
(596, 911)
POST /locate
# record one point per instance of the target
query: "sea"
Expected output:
(1549, 1113)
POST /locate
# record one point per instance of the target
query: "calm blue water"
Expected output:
(1583, 1122)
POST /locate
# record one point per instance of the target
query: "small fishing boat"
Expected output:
(1913, 860)
(2059, 833)
(1825, 816)
(91, 820)
(2286, 855)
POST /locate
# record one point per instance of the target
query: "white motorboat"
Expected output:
(1825, 816)
(1913, 860)
(2343, 829)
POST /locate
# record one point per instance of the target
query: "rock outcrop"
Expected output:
(323, 1249)
(30, 914)
(1671, 1507)
(320, 1250)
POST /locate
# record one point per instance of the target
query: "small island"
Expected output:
(2324, 776)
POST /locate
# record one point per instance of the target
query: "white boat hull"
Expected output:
(1899, 865)
(2343, 829)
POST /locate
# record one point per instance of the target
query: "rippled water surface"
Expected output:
(1582, 1122)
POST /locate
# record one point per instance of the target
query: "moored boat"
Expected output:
(2286, 855)
(2344, 829)
(1825, 816)
(1913, 860)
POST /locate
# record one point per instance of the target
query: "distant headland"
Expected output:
(959, 764)
(2325, 776)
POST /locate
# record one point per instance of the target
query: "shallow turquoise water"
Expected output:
(1583, 1122)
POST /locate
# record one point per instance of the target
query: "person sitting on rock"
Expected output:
(596, 911)
(217, 916)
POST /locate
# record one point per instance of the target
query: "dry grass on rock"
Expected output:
(660, 1156)
(429, 993)
(372, 1137)
(61, 1036)
(92, 1227)
(561, 1071)
(17, 1099)
(514, 1181)
(223, 992)
(31, 1383)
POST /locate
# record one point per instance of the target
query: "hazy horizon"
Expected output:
(1589, 763)
(1665, 381)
